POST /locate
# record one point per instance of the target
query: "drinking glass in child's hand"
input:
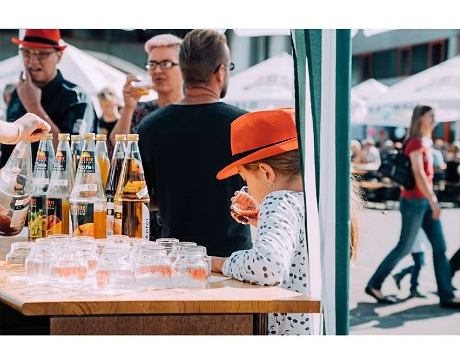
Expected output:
(244, 208)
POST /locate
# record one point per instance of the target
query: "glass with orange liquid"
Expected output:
(244, 208)
(143, 86)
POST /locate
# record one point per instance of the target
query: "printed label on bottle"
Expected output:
(40, 181)
(145, 222)
(118, 219)
(86, 188)
(60, 162)
(18, 217)
(59, 182)
(110, 215)
(87, 162)
(142, 193)
(54, 215)
(41, 162)
(37, 217)
(19, 213)
(82, 218)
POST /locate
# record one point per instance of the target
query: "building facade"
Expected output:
(393, 55)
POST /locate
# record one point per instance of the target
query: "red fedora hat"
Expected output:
(41, 38)
(261, 134)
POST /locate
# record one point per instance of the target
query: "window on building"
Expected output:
(365, 65)
(404, 61)
(384, 64)
(355, 71)
(419, 58)
(437, 52)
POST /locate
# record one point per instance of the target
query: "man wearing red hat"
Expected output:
(43, 91)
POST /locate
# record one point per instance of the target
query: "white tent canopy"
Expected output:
(78, 67)
(369, 89)
(267, 85)
(438, 87)
(270, 84)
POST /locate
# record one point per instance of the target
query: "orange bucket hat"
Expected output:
(41, 38)
(261, 134)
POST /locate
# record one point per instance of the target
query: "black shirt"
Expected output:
(64, 102)
(183, 147)
(105, 127)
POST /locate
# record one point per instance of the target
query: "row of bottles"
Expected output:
(99, 199)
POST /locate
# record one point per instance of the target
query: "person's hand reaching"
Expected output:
(31, 128)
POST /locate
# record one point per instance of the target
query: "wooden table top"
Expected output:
(223, 296)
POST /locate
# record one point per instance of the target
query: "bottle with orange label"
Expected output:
(87, 201)
(60, 187)
(102, 157)
(114, 176)
(42, 173)
(132, 216)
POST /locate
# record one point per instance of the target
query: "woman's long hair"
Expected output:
(415, 124)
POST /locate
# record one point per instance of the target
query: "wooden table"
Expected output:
(225, 307)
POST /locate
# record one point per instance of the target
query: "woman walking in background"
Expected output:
(419, 208)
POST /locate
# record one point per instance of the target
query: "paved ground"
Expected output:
(380, 232)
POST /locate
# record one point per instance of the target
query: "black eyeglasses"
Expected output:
(41, 55)
(164, 65)
(231, 66)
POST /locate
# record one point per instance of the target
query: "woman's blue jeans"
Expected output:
(416, 213)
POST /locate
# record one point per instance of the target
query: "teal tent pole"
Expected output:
(342, 141)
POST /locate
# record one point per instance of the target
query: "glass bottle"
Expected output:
(102, 157)
(42, 174)
(75, 151)
(15, 190)
(132, 197)
(114, 176)
(87, 201)
(60, 187)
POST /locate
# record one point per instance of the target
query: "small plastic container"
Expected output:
(153, 267)
(115, 270)
(191, 269)
(38, 263)
(68, 266)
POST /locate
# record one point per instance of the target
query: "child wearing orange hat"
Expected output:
(265, 153)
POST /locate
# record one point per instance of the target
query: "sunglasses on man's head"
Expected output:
(40, 55)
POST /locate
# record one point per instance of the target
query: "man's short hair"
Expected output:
(162, 40)
(201, 52)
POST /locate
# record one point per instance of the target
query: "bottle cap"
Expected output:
(101, 137)
(120, 137)
(63, 136)
(75, 137)
(89, 136)
(133, 137)
(48, 136)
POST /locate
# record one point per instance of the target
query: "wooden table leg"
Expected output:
(187, 324)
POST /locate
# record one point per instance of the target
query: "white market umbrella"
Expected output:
(438, 87)
(369, 89)
(270, 84)
(267, 85)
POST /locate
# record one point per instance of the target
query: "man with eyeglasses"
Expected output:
(184, 145)
(163, 68)
(43, 91)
